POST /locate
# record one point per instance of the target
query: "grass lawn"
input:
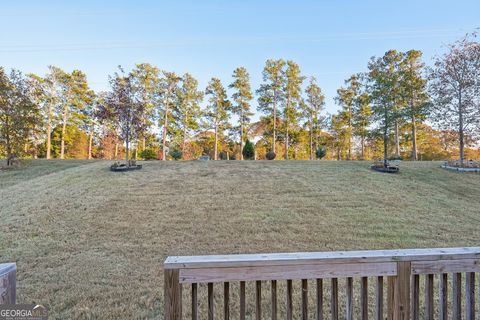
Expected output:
(90, 243)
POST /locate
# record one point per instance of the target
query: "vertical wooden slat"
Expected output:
(258, 300)
(304, 299)
(364, 298)
(390, 297)
(319, 299)
(349, 293)
(334, 299)
(172, 294)
(443, 297)
(470, 296)
(210, 301)
(289, 299)
(402, 291)
(226, 300)
(416, 297)
(429, 297)
(379, 299)
(242, 300)
(274, 299)
(194, 301)
(457, 296)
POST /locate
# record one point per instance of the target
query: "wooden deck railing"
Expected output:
(399, 271)
(8, 283)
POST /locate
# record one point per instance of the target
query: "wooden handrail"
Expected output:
(401, 267)
(8, 285)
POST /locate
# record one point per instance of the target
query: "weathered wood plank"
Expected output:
(258, 300)
(457, 296)
(349, 294)
(172, 295)
(429, 297)
(300, 258)
(379, 299)
(402, 292)
(289, 300)
(364, 298)
(194, 301)
(242, 300)
(391, 281)
(226, 300)
(211, 302)
(265, 273)
(334, 299)
(304, 299)
(443, 297)
(274, 299)
(446, 266)
(470, 296)
(416, 297)
(319, 305)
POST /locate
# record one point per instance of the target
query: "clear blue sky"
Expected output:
(329, 39)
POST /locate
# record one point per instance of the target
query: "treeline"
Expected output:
(397, 108)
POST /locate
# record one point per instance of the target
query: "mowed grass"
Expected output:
(90, 243)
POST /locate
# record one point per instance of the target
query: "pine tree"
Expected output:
(217, 110)
(167, 92)
(311, 111)
(242, 96)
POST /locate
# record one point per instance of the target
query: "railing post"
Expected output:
(8, 283)
(399, 306)
(172, 294)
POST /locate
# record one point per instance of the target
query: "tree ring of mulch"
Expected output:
(385, 169)
(122, 168)
(462, 169)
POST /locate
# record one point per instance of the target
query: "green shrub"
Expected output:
(320, 152)
(248, 150)
(270, 155)
(148, 154)
(176, 154)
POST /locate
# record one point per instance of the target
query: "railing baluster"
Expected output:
(319, 299)
(210, 301)
(258, 303)
(349, 289)
(364, 298)
(242, 300)
(470, 296)
(379, 299)
(334, 299)
(415, 297)
(274, 299)
(194, 302)
(443, 297)
(429, 297)
(457, 296)
(289, 299)
(226, 300)
(304, 299)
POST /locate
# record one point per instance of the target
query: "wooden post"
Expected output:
(173, 295)
(401, 299)
(8, 283)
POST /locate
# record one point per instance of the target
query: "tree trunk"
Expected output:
(274, 122)
(241, 134)
(286, 140)
(414, 138)
(311, 139)
(184, 138)
(385, 146)
(90, 142)
(116, 151)
(215, 148)
(64, 129)
(49, 130)
(126, 150)
(397, 140)
(165, 123)
(363, 146)
(349, 133)
(460, 130)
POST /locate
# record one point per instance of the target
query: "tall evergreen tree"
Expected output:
(271, 93)
(242, 97)
(362, 117)
(293, 98)
(311, 111)
(217, 110)
(188, 111)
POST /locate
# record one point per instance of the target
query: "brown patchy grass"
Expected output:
(90, 243)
